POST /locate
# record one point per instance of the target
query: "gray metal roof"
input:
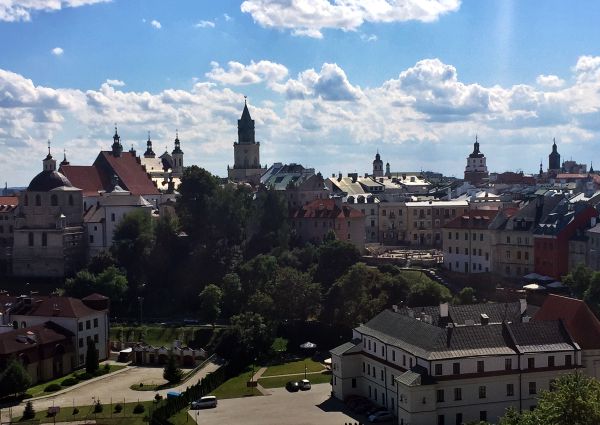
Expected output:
(341, 349)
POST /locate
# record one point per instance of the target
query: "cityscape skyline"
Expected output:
(428, 79)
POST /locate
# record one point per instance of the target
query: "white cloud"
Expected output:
(156, 24)
(115, 83)
(550, 81)
(57, 51)
(310, 17)
(368, 37)
(205, 24)
(227, 17)
(21, 10)
(239, 74)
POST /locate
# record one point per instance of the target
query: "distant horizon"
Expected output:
(327, 88)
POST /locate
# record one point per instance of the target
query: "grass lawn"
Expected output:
(38, 390)
(181, 418)
(236, 386)
(279, 382)
(414, 276)
(107, 416)
(280, 344)
(294, 367)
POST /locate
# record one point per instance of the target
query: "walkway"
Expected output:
(256, 377)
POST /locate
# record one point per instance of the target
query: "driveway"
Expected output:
(280, 408)
(113, 387)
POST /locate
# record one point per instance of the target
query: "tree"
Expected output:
(296, 296)
(334, 259)
(171, 372)
(465, 296)
(578, 280)
(110, 283)
(29, 412)
(249, 336)
(14, 379)
(210, 303)
(91, 358)
(232, 294)
(427, 292)
(268, 225)
(133, 241)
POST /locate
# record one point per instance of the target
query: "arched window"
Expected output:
(30, 239)
(15, 325)
(38, 200)
(70, 200)
(44, 239)
(53, 200)
(26, 200)
(23, 324)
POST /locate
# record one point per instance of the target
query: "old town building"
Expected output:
(476, 170)
(246, 152)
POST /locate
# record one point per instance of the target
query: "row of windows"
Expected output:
(474, 251)
(518, 240)
(459, 418)
(10, 229)
(525, 255)
(53, 200)
(474, 236)
(373, 347)
(482, 392)
(31, 239)
(508, 365)
(88, 324)
(476, 267)
(88, 339)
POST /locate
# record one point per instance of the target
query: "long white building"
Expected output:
(447, 365)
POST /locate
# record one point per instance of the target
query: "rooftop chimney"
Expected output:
(485, 319)
(444, 309)
(523, 302)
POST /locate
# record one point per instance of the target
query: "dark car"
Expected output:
(292, 386)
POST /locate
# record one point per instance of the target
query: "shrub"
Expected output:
(26, 396)
(139, 408)
(158, 397)
(118, 408)
(52, 387)
(98, 408)
(141, 384)
(69, 381)
(29, 412)
(106, 367)
(75, 410)
(84, 376)
(98, 372)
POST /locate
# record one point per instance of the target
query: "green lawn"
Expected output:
(279, 382)
(181, 418)
(38, 389)
(108, 415)
(294, 367)
(236, 386)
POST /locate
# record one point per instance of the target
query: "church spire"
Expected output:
(149, 152)
(246, 126)
(64, 161)
(177, 149)
(117, 147)
(49, 162)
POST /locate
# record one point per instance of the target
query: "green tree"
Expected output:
(29, 411)
(91, 358)
(171, 372)
(110, 283)
(268, 225)
(296, 296)
(196, 189)
(578, 280)
(232, 294)
(427, 292)
(210, 303)
(592, 293)
(14, 379)
(258, 274)
(133, 241)
(465, 296)
(334, 259)
(249, 336)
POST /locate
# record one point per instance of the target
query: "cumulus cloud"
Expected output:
(115, 83)
(21, 10)
(156, 24)
(310, 17)
(57, 51)
(227, 17)
(550, 81)
(368, 37)
(205, 24)
(239, 74)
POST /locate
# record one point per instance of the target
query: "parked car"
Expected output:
(205, 402)
(292, 386)
(304, 385)
(381, 416)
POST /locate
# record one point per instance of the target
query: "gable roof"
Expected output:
(127, 167)
(15, 341)
(326, 209)
(85, 177)
(49, 306)
(579, 320)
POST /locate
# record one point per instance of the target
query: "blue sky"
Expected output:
(328, 82)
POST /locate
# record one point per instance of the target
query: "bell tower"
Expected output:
(49, 162)
(246, 151)
(177, 154)
(117, 147)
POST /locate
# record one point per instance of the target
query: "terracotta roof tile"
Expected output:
(52, 306)
(85, 177)
(34, 336)
(326, 208)
(132, 175)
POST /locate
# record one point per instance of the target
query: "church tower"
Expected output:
(476, 169)
(49, 162)
(246, 151)
(554, 158)
(149, 152)
(177, 157)
(377, 166)
(117, 147)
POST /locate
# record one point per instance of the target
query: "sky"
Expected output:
(329, 82)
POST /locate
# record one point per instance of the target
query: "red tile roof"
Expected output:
(50, 306)
(571, 176)
(473, 219)
(326, 208)
(581, 323)
(132, 175)
(84, 177)
(9, 200)
(19, 340)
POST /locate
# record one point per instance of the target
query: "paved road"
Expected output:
(115, 387)
(280, 408)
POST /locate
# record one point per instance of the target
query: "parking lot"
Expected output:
(280, 408)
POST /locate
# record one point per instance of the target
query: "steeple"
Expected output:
(554, 157)
(149, 152)
(476, 146)
(541, 169)
(64, 161)
(117, 147)
(177, 157)
(377, 165)
(388, 173)
(177, 149)
(591, 167)
(49, 162)
(246, 126)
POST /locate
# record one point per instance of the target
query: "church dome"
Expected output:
(48, 180)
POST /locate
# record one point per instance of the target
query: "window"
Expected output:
(480, 366)
(483, 415)
(80, 358)
(482, 391)
(510, 390)
(381, 374)
(440, 396)
(87, 324)
(382, 351)
(466, 251)
(507, 364)
(403, 360)
(80, 326)
(508, 239)
(91, 238)
(459, 419)
(374, 346)
(70, 200)
(393, 382)
(487, 256)
(374, 372)
(369, 391)
(532, 388)
(53, 200)
(456, 368)
(44, 239)
(466, 236)
(95, 323)
(449, 235)
(375, 392)
(456, 235)
(550, 361)
(80, 342)
(441, 420)
(518, 255)
(112, 218)
(481, 237)
(383, 213)
(411, 362)
(474, 236)
(95, 337)
(30, 239)
(450, 250)
(526, 254)
(508, 255)
(393, 355)
(363, 367)
(531, 363)
(568, 360)
(369, 344)
(38, 200)
(438, 369)
(353, 382)
(457, 394)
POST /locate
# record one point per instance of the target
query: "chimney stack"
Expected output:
(444, 309)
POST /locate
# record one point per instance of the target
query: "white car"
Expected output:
(204, 402)
(304, 385)
(381, 416)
